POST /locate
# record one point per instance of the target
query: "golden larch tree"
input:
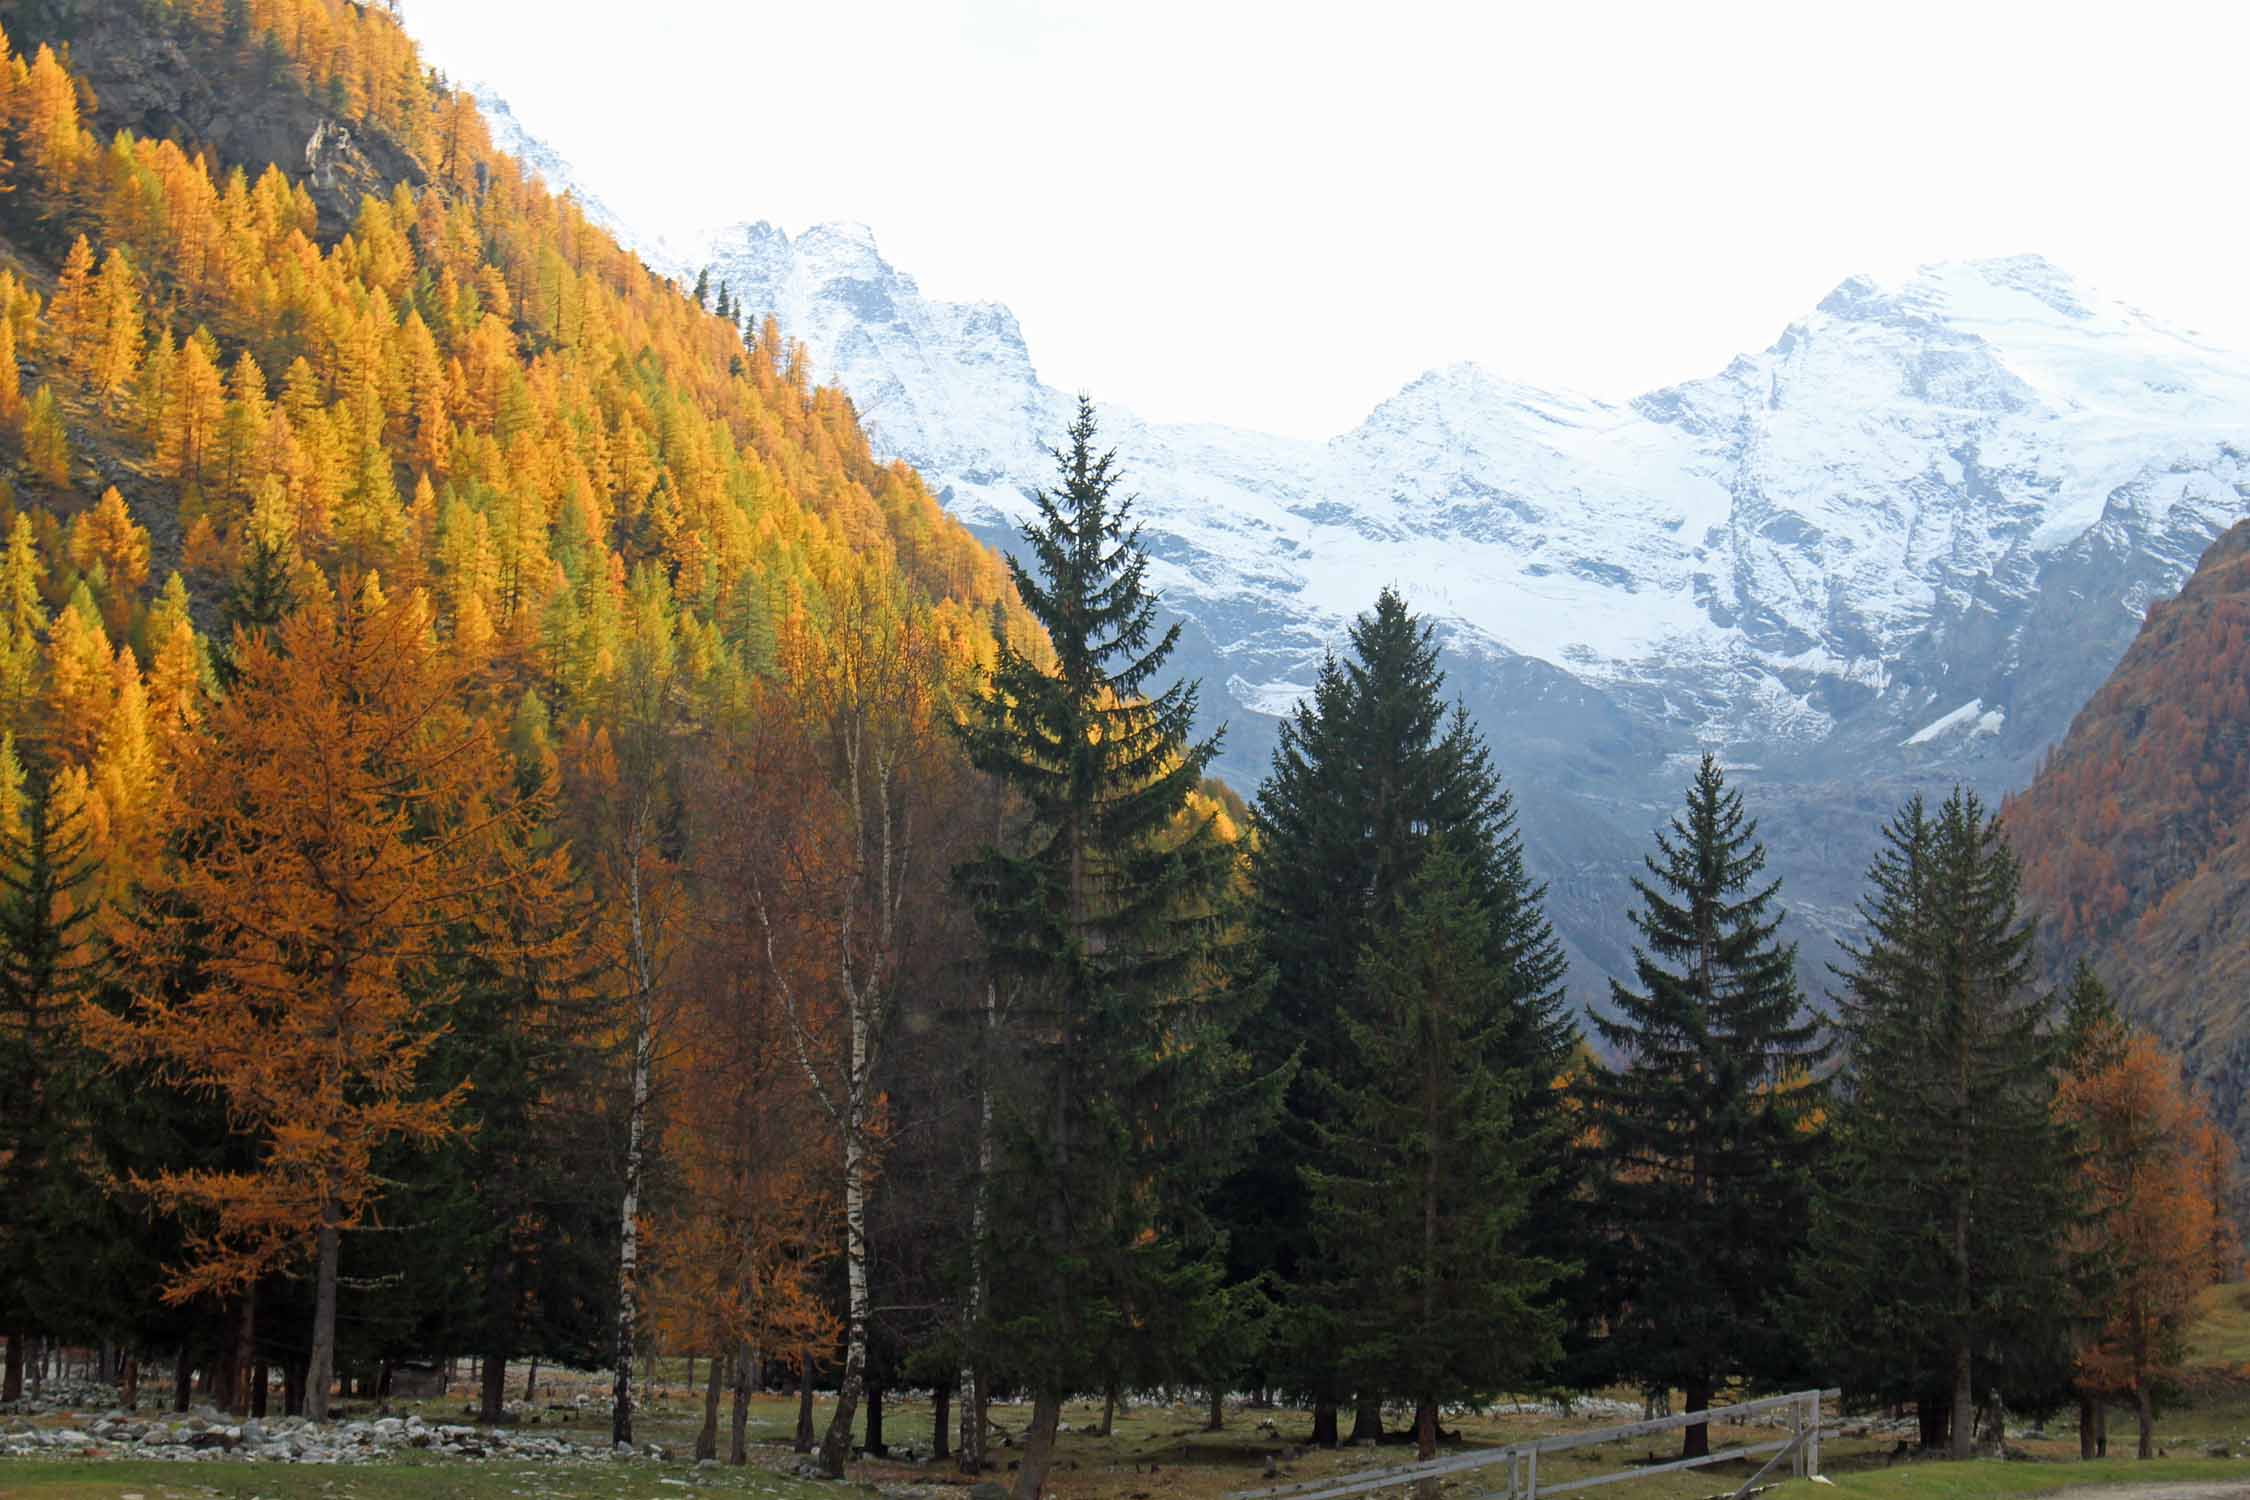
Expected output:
(2157, 1175)
(342, 814)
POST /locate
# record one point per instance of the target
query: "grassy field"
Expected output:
(2222, 1328)
(1159, 1451)
(1982, 1479)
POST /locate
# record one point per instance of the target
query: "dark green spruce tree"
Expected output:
(1430, 1174)
(46, 937)
(1936, 1268)
(1708, 1119)
(1372, 767)
(1121, 1096)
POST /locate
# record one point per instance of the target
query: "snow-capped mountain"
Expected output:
(1900, 546)
(509, 134)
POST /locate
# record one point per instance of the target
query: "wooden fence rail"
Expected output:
(1801, 1448)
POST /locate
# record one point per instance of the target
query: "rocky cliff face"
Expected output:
(1899, 546)
(175, 83)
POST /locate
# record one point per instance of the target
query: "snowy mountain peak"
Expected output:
(843, 237)
(1466, 382)
(1902, 544)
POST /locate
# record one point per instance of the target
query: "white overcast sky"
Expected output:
(1273, 215)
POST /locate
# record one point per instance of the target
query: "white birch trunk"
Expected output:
(629, 1212)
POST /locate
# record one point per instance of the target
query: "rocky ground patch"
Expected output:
(59, 1423)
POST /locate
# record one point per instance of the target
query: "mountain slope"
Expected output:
(1899, 546)
(413, 363)
(2136, 833)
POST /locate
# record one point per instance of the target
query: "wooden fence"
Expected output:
(1801, 1448)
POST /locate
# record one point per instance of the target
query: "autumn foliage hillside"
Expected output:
(470, 389)
(397, 582)
(2135, 835)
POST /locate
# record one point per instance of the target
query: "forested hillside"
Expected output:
(2133, 833)
(414, 603)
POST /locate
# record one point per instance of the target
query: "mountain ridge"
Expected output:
(1900, 545)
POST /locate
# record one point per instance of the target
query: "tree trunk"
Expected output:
(323, 1373)
(531, 1381)
(745, 1381)
(836, 1446)
(2145, 1409)
(1964, 1399)
(261, 1389)
(1367, 1418)
(219, 1379)
(1964, 1384)
(1218, 1409)
(183, 1372)
(1039, 1444)
(2085, 1427)
(707, 1441)
(1109, 1407)
(974, 1396)
(246, 1350)
(293, 1387)
(129, 1381)
(11, 1375)
(941, 1417)
(1930, 1412)
(804, 1442)
(1695, 1441)
(492, 1401)
(499, 1331)
(2101, 1429)
(629, 1212)
(1324, 1424)
(1425, 1445)
(968, 1453)
(873, 1444)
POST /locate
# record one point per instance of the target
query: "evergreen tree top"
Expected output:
(1712, 971)
(1087, 741)
(1088, 583)
(1103, 769)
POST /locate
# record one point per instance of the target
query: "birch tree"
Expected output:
(868, 688)
(627, 782)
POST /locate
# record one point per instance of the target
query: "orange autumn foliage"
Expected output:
(2157, 1175)
(740, 1261)
(342, 814)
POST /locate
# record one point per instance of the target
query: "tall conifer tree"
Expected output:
(47, 945)
(1936, 1265)
(1706, 1121)
(1371, 769)
(1431, 1175)
(1125, 1096)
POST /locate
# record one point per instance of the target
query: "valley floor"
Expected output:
(1157, 1452)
